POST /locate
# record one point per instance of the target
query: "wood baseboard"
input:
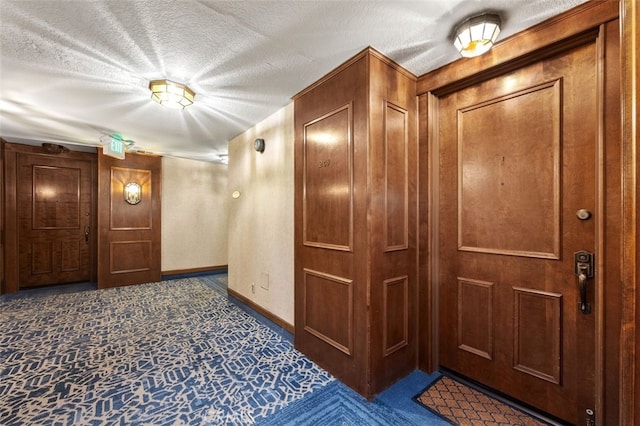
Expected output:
(212, 269)
(259, 309)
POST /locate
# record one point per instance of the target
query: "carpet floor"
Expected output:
(466, 406)
(167, 353)
(177, 352)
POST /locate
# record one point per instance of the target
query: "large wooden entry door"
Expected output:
(54, 219)
(517, 160)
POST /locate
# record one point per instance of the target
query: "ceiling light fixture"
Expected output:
(476, 35)
(171, 94)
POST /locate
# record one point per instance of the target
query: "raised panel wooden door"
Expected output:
(54, 208)
(129, 246)
(517, 160)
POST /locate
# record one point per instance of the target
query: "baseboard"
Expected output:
(195, 271)
(259, 309)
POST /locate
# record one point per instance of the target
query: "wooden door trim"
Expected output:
(529, 45)
(11, 153)
(589, 20)
(630, 332)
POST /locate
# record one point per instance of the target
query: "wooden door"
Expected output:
(517, 161)
(129, 241)
(54, 217)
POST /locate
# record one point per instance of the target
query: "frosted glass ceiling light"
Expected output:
(171, 94)
(476, 35)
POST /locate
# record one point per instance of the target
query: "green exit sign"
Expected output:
(115, 149)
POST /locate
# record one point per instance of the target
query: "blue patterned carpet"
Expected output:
(170, 353)
(166, 353)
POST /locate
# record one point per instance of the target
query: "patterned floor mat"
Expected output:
(464, 406)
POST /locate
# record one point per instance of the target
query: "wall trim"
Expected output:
(262, 311)
(213, 269)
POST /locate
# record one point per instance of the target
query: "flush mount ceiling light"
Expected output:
(171, 94)
(476, 35)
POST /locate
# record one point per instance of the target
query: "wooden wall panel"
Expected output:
(321, 291)
(475, 317)
(328, 181)
(537, 345)
(130, 256)
(42, 257)
(395, 314)
(494, 179)
(129, 250)
(70, 255)
(355, 203)
(56, 197)
(125, 216)
(396, 188)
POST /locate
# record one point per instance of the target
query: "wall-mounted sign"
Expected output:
(115, 148)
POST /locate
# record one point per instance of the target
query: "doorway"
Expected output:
(524, 227)
(50, 235)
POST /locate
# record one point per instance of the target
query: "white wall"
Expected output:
(261, 219)
(195, 205)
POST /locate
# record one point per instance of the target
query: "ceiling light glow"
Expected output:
(171, 94)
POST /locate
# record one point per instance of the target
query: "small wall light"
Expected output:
(132, 193)
(476, 35)
(171, 94)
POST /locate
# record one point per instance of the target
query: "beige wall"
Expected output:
(195, 205)
(261, 219)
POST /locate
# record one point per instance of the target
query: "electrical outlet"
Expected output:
(264, 281)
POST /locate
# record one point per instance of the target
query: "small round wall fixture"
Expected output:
(258, 145)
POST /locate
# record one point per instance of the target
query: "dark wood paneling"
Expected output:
(380, 99)
(42, 255)
(537, 343)
(70, 253)
(321, 291)
(328, 181)
(395, 314)
(56, 198)
(504, 144)
(129, 251)
(475, 317)
(53, 203)
(125, 216)
(629, 334)
(131, 256)
(396, 147)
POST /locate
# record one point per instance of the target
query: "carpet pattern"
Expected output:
(167, 353)
(465, 406)
(336, 405)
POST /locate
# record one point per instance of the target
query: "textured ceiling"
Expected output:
(73, 71)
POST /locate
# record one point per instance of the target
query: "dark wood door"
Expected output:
(517, 161)
(129, 245)
(54, 216)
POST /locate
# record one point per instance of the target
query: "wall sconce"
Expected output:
(171, 94)
(132, 193)
(476, 35)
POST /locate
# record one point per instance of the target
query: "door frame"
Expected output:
(555, 35)
(629, 330)
(11, 242)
